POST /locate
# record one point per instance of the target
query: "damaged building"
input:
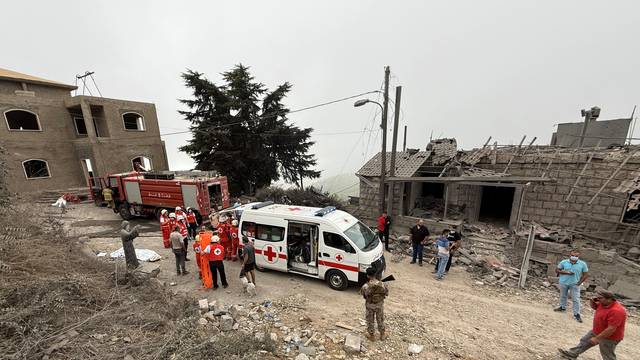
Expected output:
(591, 191)
(55, 141)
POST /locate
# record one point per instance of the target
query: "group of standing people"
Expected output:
(210, 246)
(446, 245)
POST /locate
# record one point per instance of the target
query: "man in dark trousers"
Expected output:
(419, 235)
(384, 225)
(608, 328)
(454, 239)
(215, 251)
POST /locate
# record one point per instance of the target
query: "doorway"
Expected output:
(496, 204)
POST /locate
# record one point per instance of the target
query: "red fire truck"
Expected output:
(147, 193)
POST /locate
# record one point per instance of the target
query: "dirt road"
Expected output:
(455, 318)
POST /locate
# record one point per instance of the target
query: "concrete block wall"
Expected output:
(547, 203)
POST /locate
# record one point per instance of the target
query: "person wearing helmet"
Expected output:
(180, 212)
(215, 252)
(223, 233)
(192, 223)
(182, 225)
(233, 232)
(165, 226)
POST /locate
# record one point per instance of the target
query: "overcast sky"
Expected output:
(469, 69)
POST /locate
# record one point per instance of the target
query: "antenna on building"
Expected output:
(83, 78)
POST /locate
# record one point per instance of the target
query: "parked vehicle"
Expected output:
(323, 243)
(146, 193)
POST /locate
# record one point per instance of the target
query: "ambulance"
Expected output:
(323, 243)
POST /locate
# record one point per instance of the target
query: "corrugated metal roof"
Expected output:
(6, 74)
(407, 163)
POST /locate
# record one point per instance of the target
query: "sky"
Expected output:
(468, 69)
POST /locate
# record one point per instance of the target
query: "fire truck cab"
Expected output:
(323, 243)
(146, 193)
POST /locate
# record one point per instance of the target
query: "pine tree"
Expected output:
(241, 130)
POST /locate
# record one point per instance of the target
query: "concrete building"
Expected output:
(55, 140)
(595, 192)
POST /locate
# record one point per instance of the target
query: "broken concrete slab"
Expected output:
(352, 343)
(226, 323)
(625, 288)
(203, 304)
(415, 349)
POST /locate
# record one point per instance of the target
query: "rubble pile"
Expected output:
(432, 207)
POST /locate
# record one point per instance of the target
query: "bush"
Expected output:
(295, 196)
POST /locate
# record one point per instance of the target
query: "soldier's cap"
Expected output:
(606, 294)
(371, 271)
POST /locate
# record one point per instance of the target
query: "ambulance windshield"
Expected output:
(362, 236)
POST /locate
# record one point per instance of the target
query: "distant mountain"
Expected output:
(343, 185)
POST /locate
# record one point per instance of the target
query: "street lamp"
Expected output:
(383, 153)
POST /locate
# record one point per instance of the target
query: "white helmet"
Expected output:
(180, 217)
(188, 209)
(178, 208)
(172, 215)
(164, 211)
(234, 222)
(215, 239)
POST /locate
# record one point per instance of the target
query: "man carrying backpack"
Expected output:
(374, 292)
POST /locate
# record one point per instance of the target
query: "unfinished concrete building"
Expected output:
(55, 141)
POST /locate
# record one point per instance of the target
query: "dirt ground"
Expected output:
(455, 318)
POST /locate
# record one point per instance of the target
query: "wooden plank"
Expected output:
(527, 256)
(584, 168)
(615, 172)
(487, 142)
(497, 179)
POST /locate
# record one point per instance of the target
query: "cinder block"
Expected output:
(557, 197)
(544, 196)
(606, 201)
(614, 211)
(549, 205)
(597, 209)
(554, 212)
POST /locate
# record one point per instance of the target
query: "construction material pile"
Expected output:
(310, 196)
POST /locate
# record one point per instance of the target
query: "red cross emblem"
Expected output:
(339, 258)
(294, 209)
(271, 255)
(217, 251)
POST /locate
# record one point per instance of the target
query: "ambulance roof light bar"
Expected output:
(324, 211)
(261, 205)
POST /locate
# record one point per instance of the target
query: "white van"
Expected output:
(323, 243)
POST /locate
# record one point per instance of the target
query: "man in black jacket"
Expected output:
(419, 235)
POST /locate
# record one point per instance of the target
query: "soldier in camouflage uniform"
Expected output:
(374, 292)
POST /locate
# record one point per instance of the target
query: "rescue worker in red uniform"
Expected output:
(165, 226)
(192, 223)
(235, 240)
(216, 252)
(173, 222)
(182, 224)
(223, 234)
(180, 212)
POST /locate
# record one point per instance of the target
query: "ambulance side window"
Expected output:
(337, 242)
(249, 229)
(269, 233)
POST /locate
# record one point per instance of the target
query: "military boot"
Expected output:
(383, 336)
(371, 337)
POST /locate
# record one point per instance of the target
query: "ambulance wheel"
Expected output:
(124, 212)
(337, 280)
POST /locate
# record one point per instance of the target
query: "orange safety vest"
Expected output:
(217, 252)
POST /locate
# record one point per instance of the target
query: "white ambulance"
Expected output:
(323, 243)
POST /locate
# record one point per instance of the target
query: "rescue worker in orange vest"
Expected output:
(223, 234)
(165, 226)
(203, 239)
(192, 223)
(182, 224)
(216, 252)
(235, 240)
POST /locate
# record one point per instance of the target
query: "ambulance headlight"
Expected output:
(363, 267)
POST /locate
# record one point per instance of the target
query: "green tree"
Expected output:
(241, 130)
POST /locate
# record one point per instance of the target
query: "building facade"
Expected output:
(55, 141)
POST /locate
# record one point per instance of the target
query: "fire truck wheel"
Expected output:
(337, 280)
(124, 212)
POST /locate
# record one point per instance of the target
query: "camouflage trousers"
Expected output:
(375, 313)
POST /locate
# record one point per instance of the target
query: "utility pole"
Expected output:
(383, 154)
(394, 144)
(404, 141)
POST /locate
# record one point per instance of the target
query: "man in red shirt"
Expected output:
(608, 328)
(384, 224)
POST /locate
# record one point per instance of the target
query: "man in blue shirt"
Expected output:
(573, 272)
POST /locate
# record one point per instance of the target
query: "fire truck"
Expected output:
(147, 193)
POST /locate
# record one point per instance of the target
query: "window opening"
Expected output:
(35, 169)
(496, 204)
(22, 120)
(81, 127)
(133, 121)
(141, 163)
